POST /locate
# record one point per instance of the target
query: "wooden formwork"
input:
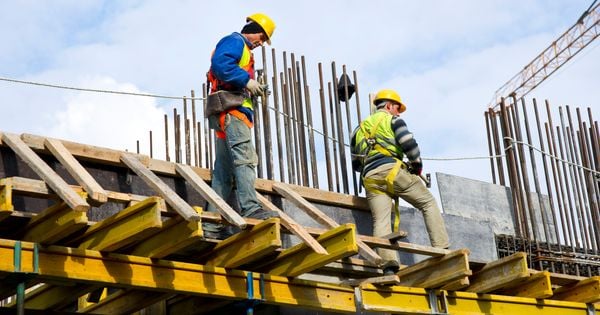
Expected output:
(154, 250)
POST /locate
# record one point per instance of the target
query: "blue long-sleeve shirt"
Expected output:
(225, 60)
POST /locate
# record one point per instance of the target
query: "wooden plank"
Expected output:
(499, 273)
(537, 286)
(175, 234)
(125, 227)
(436, 271)
(80, 174)
(210, 195)
(322, 218)
(184, 209)
(42, 169)
(292, 226)
(584, 291)
(112, 157)
(54, 224)
(247, 246)
(339, 242)
(381, 280)
(457, 284)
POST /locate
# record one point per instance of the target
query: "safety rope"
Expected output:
(309, 127)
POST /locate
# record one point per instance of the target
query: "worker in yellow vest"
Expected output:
(232, 69)
(378, 147)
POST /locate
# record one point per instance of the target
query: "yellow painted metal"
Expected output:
(175, 234)
(6, 206)
(585, 291)
(82, 301)
(55, 223)
(406, 300)
(123, 302)
(499, 274)
(339, 242)
(79, 265)
(537, 286)
(53, 297)
(436, 271)
(248, 245)
(125, 227)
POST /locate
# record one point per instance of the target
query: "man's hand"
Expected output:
(256, 88)
(416, 168)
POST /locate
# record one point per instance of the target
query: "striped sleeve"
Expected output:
(405, 140)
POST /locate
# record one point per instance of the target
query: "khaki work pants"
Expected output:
(410, 188)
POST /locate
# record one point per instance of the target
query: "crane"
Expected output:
(563, 49)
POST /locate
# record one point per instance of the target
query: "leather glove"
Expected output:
(416, 168)
(256, 88)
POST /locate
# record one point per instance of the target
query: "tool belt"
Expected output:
(222, 101)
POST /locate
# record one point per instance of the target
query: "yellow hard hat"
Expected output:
(265, 22)
(390, 95)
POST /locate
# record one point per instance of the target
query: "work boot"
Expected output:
(390, 267)
(262, 214)
(215, 231)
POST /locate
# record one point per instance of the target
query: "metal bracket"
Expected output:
(591, 309)
(358, 300)
(252, 302)
(432, 298)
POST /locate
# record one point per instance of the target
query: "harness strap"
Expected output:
(389, 183)
(236, 113)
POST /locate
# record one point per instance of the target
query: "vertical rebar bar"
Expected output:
(489, 140)
(278, 132)
(186, 128)
(343, 163)
(288, 134)
(325, 131)
(257, 133)
(266, 118)
(349, 122)
(167, 157)
(311, 134)
(333, 135)
(499, 152)
(300, 120)
(194, 132)
(151, 151)
(176, 135)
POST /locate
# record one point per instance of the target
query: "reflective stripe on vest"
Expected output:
(247, 64)
(378, 127)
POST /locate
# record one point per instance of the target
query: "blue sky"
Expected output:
(445, 58)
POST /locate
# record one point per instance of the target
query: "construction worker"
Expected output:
(232, 69)
(378, 146)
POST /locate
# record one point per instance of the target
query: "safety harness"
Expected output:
(372, 144)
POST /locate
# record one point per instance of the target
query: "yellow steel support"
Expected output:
(124, 302)
(175, 234)
(437, 271)
(536, 286)
(6, 206)
(339, 242)
(91, 267)
(125, 227)
(585, 291)
(53, 296)
(247, 246)
(55, 223)
(499, 274)
(405, 300)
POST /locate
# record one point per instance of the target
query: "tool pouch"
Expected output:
(221, 101)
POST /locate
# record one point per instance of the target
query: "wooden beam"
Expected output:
(125, 302)
(247, 246)
(54, 224)
(45, 172)
(457, 284)
(292, 226)
(322, 218)
(381, 280)
(436, 271)
(584, 291)
(537, 286)
(6, 206)
(174, 235)
(184, 209)
(80, 174)
(339, 242)
(210, 195)
(499, 274)
(125, 227)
